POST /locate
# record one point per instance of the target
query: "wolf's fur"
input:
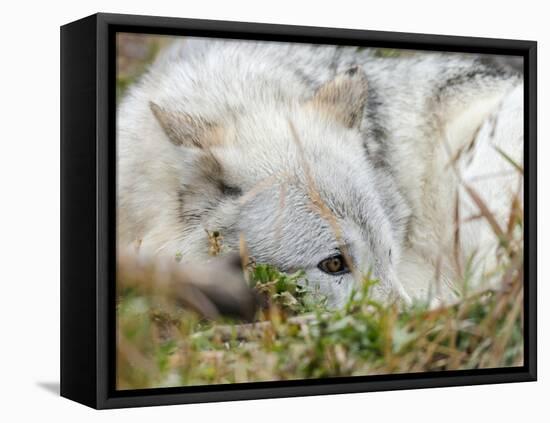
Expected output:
(306, 151)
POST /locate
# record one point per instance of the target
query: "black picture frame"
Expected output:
(88, 107)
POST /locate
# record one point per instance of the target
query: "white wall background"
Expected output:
(29, 228)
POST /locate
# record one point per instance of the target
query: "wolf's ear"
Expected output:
(344, 97)
(181, 128)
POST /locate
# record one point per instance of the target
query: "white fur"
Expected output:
(395, 218)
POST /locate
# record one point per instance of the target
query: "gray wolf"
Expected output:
(322, 158)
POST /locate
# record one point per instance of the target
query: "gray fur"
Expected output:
(377, 163)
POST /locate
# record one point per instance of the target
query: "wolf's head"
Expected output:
(291, 177)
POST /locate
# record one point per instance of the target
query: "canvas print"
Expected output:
(290, 211)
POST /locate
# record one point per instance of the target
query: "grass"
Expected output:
(295, 337)
(134, 54)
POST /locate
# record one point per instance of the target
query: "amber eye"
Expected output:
(334, 265)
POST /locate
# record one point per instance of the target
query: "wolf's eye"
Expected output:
(334, 265)
(230, 191)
